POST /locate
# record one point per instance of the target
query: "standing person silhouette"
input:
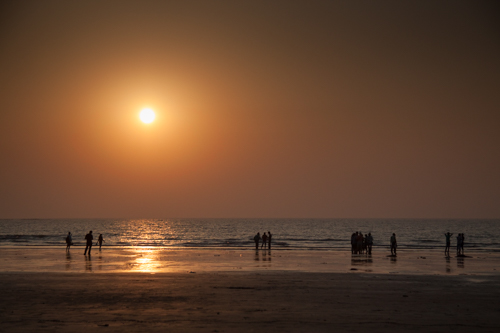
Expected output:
(394, 244)
(69, 241)
(462, 241)
(359, 243)
(354, 238)
(448, 241)
(269, 237)
(460, 244)
(369, 243)
(89, 239)
(99, 241)
(264, 240)
(256, 239)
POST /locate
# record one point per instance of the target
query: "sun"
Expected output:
(147, 115)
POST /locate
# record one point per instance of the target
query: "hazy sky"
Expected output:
(264, 109)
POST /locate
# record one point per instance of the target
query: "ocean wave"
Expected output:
(21, 237)
(238, 233)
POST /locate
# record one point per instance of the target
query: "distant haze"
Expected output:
(263, 109)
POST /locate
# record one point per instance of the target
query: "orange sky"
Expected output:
(264, 109)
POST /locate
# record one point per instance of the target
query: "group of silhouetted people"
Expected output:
(460, 244)
(266, 240)
(361, 244)
(89, 238)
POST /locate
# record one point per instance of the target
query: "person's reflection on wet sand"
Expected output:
(461, 262)
(99, 262)
(257, 257)
(88, 263)
(357, 260)
(448, 265)
(68, 261)
(394, 259)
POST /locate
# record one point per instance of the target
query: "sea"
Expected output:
(288, 234)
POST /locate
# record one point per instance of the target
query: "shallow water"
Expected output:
(480, 234)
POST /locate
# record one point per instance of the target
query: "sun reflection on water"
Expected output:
(147, 260)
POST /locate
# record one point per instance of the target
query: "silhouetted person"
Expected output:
(448, 242)
(69, 241)
(89, 239)
(460, 244)
(264, 240)
(99, 241)
(394, 244)
(269, 237)
(360, 242)
(354, 238)
(462, 241)
(369, 243)
(256, 239)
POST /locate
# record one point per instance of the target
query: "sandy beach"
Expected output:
(151, 290)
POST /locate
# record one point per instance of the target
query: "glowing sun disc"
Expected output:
(147, 115)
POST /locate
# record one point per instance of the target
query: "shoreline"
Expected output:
(168, 260)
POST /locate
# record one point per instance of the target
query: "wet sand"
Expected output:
(228, 291)
(165, 260)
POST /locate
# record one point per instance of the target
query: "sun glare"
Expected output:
(147, 115)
